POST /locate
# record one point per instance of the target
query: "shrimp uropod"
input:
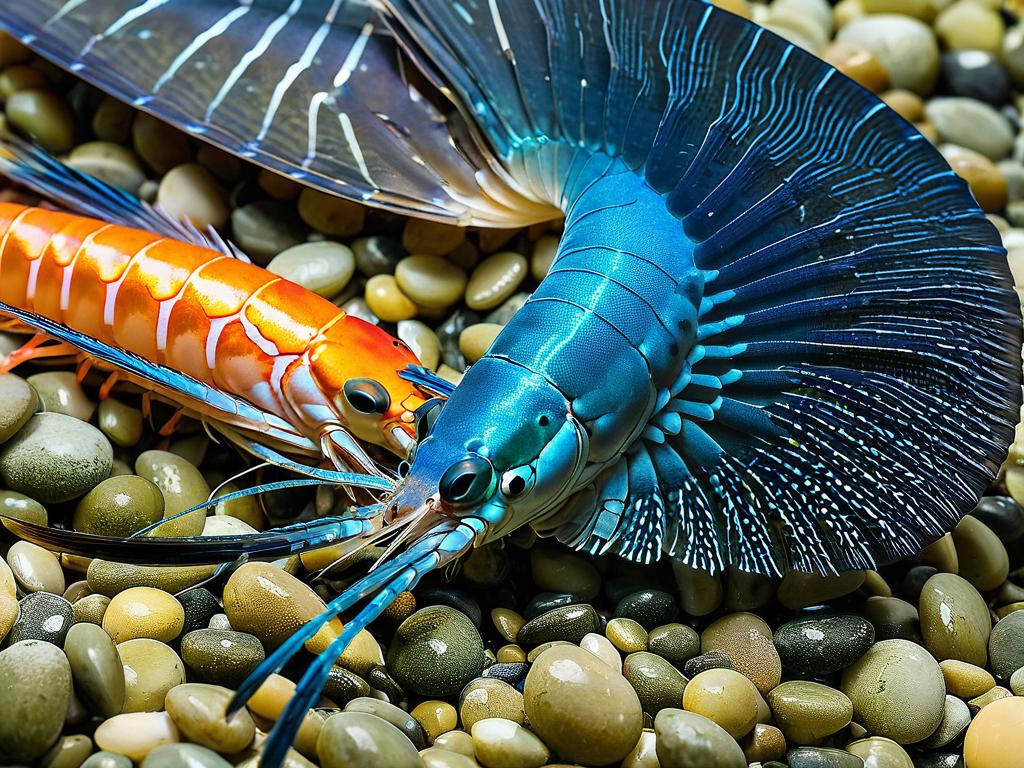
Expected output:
(778, 333)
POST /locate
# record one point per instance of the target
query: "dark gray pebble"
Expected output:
(343, 685)
(893, 619)
(199, 604)
(43, 616)
(649, 608)
(706, 661)
(824, 644)
(913, 582)
(458, 599)
(510, 672)
(377, 677)
(571, 623)
(377, 255)
(1003, 515)
(543, 602)
(822, 757)
(976, 75)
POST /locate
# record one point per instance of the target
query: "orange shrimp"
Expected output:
(221, 321)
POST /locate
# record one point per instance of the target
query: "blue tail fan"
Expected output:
(854, 374)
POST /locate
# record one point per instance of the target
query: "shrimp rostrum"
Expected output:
(778, 332)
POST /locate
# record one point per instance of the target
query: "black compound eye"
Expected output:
(467, 481)
(367, 396)
(425, 416)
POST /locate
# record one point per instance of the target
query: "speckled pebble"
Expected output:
(219, 656)
(821, 645)
(1006, 645)
(398, 717)
(17, 404)
(35, 690)
(436, 651)
(657, 683)
(569, 623)
(677, 643)
(879, 752)
(144, 612)
(626, 635)
(489, 697)
(746, 640)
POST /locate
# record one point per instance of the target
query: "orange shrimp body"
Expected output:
(220, 320)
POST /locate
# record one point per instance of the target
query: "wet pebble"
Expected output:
(109, 578)
(422, 341)
(144, 612)
(361, 740)
(966, 680)
(956, 716)
(977, 75)
(822, 757)
(17, 404)
(626, 635)
(185, 756)
(657, 683)
(495, 279)
(398, 717)
(225, 657)
(121, 423)
(387, 301)
(969, 25)
(746, 640)
(182, 485)
(582, 709)
(1006, 645)
(35, 569)
(435, 718)
(430, 281)
(158, 144)
(189, 192)
(570, 623)
(323, 267)
(700, 592)
(119, 506)
(725, 696)
(476, 339)
(878, 752)
(904, 46)
(987, 183)
(801, 590)
(677, 643)
(376, 255)
(649, 608)
(1003, 516)
(96, 668)
(687, 740)
(820, 645)
(136, 734)
(500, 743)
(200, 713)
(557, 570)
(602, 647)
(436, 651)
(892, 618)
(429, 237)
(107, 760)
(897, 690)
(151, 669)
(35, 690)
(807, 712)
(90, 609)
(55, 458)
(44, 117)
(984, 561)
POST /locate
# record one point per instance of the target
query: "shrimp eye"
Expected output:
(367, 396)
(516, 482)
(425, 416)
(467, 481)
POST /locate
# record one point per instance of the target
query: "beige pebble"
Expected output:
(190, 192)
(746, 640)
(544, 252)
(430, 281)
(334, 216)
(433, 757)
(109, 162)
(986, 699)
(324, 267)
(135, 734)
(906, 104)
(475, 340)
(507, 622)
(941, 554)
(969, 25)
(858, 64)
(200, 713)
(386, 300)
(36, 569)
(724, 696)
(879, 752)
(144, 612)
(422, 341)
(995, 738)
(44, 117)
(151, 669)
(490, 697)
(431, 238)
(983, 559)
(495, 279)
(458, 741)
(436, 717)
(158, 144)
(966, 680)
(602, 647)
(501, 743)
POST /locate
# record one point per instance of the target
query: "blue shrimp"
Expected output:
(778, 333)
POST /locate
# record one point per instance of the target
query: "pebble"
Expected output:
(144, 612)
(361, 740)
(970, 25)
(892, 618)
(1003, 515)
(329, 214)
(626, 635)
(971, 124)
(189, 192)
(35, 691)
(857, 63)
(423, 342)
(200, 713)
(476, 339)
(265, 228)
(802, 590)
(96, 668)
(323, 267)
(122, 424)
(119, 506)
(182, 485)
(20, 78)
(432, 238)
(507, 622)
(60, 392)
(688, 740)
(977, 75)
(500, 743)
(397, 716)
(488, 697)
(725, 696)
(657, 683)
(955, 620)
(55, 458)
(648, 607)
(904, 46)
(495, 279)
(458, 741)
(602, 647)
(808, 712)
(677, 643)
(706, 661)
(582, 709)
(822, 757)
(436, 651)
(821, 645)
(199, 605)
(151, 669)
(90, 609)
(386, 300)
(747, 591)
(978, 703)
(1006, 645)
(956, 716)
(570, 623)
(995, 738)
(19, 403)
(941, 555)
(43, 616)
(35, 569)
(878, 752)
(966, 680)
(700, 592)
(158, 144)
(983, 558)
(435, 718)
(9, 611)
(108, 578)
(68, 752)
(906, 104)
(343, 686)
(987, 183)
(558, 570)
(376, 255)
(186, 756)
(44, 117)
(897, 690)
(746, 640)
(107, 760)
(430, 281)
(136, 734)
(219, 656)
(764, 743)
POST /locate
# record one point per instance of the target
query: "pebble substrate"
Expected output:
(528, 654)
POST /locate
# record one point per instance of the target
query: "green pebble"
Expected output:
(107, 760)
(183, 486)
(55, 458)
(822, 757)
(879, 752)
(112, 120)
(17, 404)
(68, 752)
(807, 712)
(677, 643)
(119, 422)
(570, 623)
(60, 392)
(983, 559)
(360, 740)
(648, 607)
(22, 507)
(700, 592)
(343, 686)
(893, 619)
(1017, 682)
(436, 651)
(119, 506)
(43, 616)
(199, 711)
(955, 620)
(35, 691)
(108, 578)
(688, 740)
(501, 743)
(90, 609)
(44, 117)
(1006, 645)
(396, 716)
(161, 146)
(184, 756)
(488, 697)
(657, 683)
(219, 656)
(96, 668)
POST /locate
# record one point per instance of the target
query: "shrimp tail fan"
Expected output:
(314, 89)
(852, 376)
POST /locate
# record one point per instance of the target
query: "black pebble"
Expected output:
(914, 581)
(543, 602)
(199, 604)
(571, 623)
(510, 672)
(1003, 515)
(706, 661)
(822, 645)
(976, 75)
(649, 608)
(43, 616)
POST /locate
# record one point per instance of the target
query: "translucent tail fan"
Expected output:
(309, 88)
